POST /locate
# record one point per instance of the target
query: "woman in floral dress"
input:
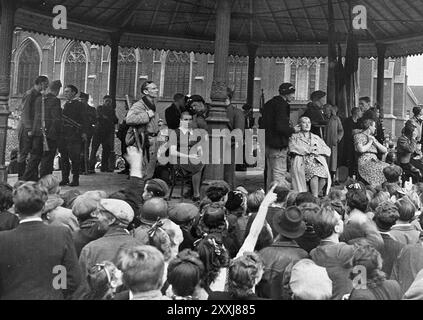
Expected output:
(370, 167)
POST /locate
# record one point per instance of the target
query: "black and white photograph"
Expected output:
(224, 151)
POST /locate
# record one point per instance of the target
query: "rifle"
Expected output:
(85, 157)
(70, 122)
(137, 138)
(43, 124)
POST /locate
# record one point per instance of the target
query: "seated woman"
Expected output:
(370, 167)
(406, 150)
(197, 105)
(309, 163)
(186, 160)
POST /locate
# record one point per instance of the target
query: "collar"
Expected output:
(403, 227)
(185, 131)
(283, 243)
(148, 295)
(31, 220)
(116, 231)
(148, 103)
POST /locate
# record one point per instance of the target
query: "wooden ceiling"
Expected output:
(281, 28)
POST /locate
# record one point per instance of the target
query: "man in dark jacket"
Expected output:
(282, 254)
(104, 134)
(315, 112)
(236, 122)
(37, 261)
(26, 122)
(276, 113)
(53, 122)
(74, 132)
(173, 112)
(91, 122)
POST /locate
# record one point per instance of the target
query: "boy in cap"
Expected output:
(184, 215)
(315, 112)
(84, 208)
(276, 114)
(115, 215)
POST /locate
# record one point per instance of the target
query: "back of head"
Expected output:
(305, 197)
(357, 199)
(40, 79)
(281, 193)
(185, 272)
(365, 255)
(213, 218)
(142, 268)
(386, 214)
(406, 209)
(217, 190)
(378, 198)
(235, 200)
(157, 187)
(87, 203)
(55, 86)
(29, 198)
(154, 208)
(6, 196)
(244, 273)
(51, 183)
(325, 222)
(254, 200)
(309, 281)
(214, 256)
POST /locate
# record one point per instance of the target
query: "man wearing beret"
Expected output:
(184, 215)
(315, 112)
(276, 113)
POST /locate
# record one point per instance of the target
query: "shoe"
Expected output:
(75, 182)
(64, 183)
(124, 171)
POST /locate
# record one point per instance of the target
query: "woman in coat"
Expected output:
(309, 164)
(333, 135)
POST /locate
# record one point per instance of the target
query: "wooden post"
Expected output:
(252, 49)
(114, 55)
(217, 118)
(331, 84)
(6, 38)
(381, 51)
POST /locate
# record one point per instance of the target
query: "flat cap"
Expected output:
(316, 95)
(87, 202)
(183, 212)
(121, 210)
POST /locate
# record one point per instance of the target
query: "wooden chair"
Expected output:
(178, 176)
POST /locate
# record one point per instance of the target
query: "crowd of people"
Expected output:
(310, 236)
(234, 245)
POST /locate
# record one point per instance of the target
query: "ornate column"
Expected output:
(381, 51)
(6, 37)
(114, 55)
(331, 84)
(217, 118)
(252, 49)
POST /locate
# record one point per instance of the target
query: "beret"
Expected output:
(183, 212)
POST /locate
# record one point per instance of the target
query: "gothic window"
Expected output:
(312, 80)
(76, 67)
(303, 76)
(28, 67)
(238, 77)
(177, 73)
(126, 72)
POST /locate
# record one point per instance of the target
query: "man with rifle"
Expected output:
(74, 132)
(46, 130)
(91, 126)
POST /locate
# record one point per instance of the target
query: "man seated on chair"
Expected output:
(180, 151)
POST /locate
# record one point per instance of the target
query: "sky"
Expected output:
(415, 70)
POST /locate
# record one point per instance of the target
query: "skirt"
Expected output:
(371, 168)
(312, 168)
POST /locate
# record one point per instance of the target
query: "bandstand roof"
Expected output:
(281, 28)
